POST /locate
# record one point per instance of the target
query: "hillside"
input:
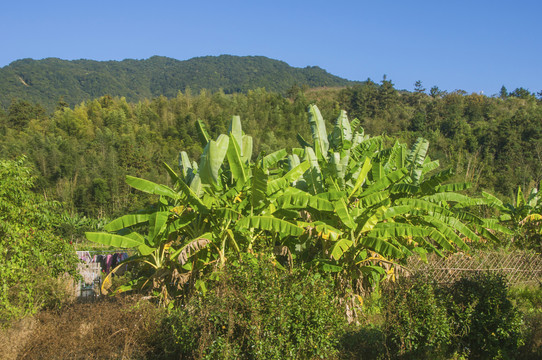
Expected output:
(46, 81)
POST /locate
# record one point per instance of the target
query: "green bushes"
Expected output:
(256, 311)
(487, 325)
(33, 258)
(473, 317)
(416, 321)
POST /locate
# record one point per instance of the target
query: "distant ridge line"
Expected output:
(47, 80)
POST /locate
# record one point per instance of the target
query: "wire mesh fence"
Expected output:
(519, 267)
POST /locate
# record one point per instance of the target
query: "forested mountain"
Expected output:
(49, 80)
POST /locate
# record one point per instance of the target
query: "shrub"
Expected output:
(416, 323)
(28, 245)
(485, 321)
(257, 311)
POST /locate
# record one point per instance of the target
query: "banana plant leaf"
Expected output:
(246, 148)
(259, 188)
(185, 165)
(277, 184)
(114, 240)
(342, 212)
(193, 198)
(237, 166)
(448, 232)
(281, 227)
(273, 158)
(453, 187)
(446, 197)
(319, 134)
(385, 181)
(191, 248)
(236, 130)
(157, 225)
(202, 132)
(212, 159)
(297, 199)
(393, 229)
(340, 247)
(302, 142)
(416, 159)
(151, 187)
(381, 247)
(341, 135)
(127, 221)
(369, 221)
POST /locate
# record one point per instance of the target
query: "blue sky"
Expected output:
(474, 45)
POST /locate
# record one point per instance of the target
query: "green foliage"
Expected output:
(385, 204)
(524, 218)
(351, 207)
(416, 323)
(493, 143)
(83, 154)
(528, 300)
(31, 254)
(48, 80)
(257, 311)
(472, 317)
(215, 211)
(486, 323)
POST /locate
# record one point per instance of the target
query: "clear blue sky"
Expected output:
(474, 45)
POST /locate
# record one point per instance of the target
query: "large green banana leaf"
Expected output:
(362, 176)
(259, 188)
(157, 224)
(188, 191)
(341, 135)
(301, 200)
(381, 247)
(185, 165)
(416, 158)
(369, 221)
(273, 158)
(447, 231)
(385, 181)
(281, 227)
(151, 187)
(277, 184)
(393, 230)
(202, 132)
(212, 159)
(246, 149)
(342, 212)
(114, 240)
(237, 166)
(127, 221)
(319, 134)
(236, 130)
(340, 247)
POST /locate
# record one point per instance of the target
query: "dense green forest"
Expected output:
(83, 153)
(45, 81)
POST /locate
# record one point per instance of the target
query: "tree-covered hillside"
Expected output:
(48, 80)
(84, 152)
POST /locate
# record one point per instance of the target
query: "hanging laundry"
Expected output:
(84, 256)
(108, 263)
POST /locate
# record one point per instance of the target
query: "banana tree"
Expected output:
(524, 218)
(215, 209)
(385, 206)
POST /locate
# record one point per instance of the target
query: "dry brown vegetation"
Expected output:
(118, 328)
